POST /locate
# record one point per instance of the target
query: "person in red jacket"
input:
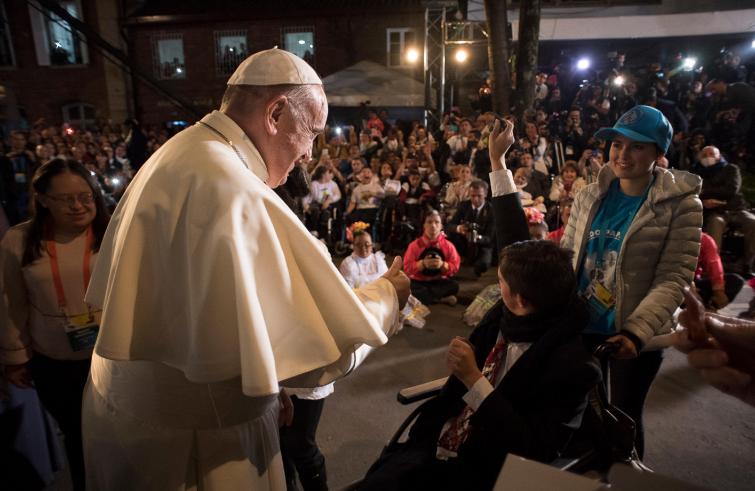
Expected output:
(714, 288)
(431, 261)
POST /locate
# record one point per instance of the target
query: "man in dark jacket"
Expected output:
(136, 144)
(471, 229)
(538, 183)
(723, 203)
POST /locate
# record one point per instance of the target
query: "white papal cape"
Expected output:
(212, 293)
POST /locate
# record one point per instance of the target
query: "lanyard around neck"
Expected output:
(55, 268)
(227, 140)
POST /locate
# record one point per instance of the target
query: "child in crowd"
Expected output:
(323, 196)
(365, 199)
(414, 193)
(536, 224)
(363, 265)
(391, 186)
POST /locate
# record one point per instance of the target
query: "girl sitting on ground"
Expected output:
(363, 265)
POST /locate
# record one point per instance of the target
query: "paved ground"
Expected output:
(694, 433)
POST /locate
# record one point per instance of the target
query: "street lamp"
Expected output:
(461, 55)
(412, 55)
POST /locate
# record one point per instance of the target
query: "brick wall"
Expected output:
(41, 91)
(340, 41)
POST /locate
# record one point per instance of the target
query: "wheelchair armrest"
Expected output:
(571, 463)
(422, 391)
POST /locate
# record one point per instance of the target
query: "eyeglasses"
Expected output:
(72, 199)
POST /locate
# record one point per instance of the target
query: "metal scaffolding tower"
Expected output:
(439, 34)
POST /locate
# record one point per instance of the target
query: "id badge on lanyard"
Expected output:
(81, 330)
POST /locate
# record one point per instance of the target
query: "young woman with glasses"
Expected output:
(47, 331)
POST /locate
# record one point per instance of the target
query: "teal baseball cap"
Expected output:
(643, 124)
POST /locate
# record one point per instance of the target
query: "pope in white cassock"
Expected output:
(213, 293)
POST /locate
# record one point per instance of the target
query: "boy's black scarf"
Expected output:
(546, 331)
(532, 327)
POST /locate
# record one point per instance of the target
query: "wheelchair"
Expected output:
(605, 437)
(327, 223)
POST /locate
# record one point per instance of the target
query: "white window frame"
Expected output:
(220, 69)
(294, 29)
(402, 31)
(156, 65)
(42, 40)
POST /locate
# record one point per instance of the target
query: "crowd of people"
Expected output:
(615, 177)
(113, 153)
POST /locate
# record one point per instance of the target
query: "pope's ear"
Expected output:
(274, 112)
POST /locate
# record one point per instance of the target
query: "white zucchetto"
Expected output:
(274, 67)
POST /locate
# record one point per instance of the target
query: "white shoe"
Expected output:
(449, 300)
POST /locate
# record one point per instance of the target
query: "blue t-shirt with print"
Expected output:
(597, 276)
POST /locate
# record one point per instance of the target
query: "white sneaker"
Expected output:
(449, 300)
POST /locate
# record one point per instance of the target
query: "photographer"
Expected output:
(471, 228)
(431, 261)
(574, 137)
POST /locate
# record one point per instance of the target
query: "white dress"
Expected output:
(213, 293)
(358, 271)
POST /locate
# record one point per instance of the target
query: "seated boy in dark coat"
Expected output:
(521, 381)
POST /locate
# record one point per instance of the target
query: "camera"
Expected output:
(473, 232)
(431, 253)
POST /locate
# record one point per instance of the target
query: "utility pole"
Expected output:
(498, 54)
(526, 59)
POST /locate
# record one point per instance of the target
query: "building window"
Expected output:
(300, 41)
(398, 40)
(6, 46)
(168, 56)
(230, 50)
(80, 115)
(55, 41)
